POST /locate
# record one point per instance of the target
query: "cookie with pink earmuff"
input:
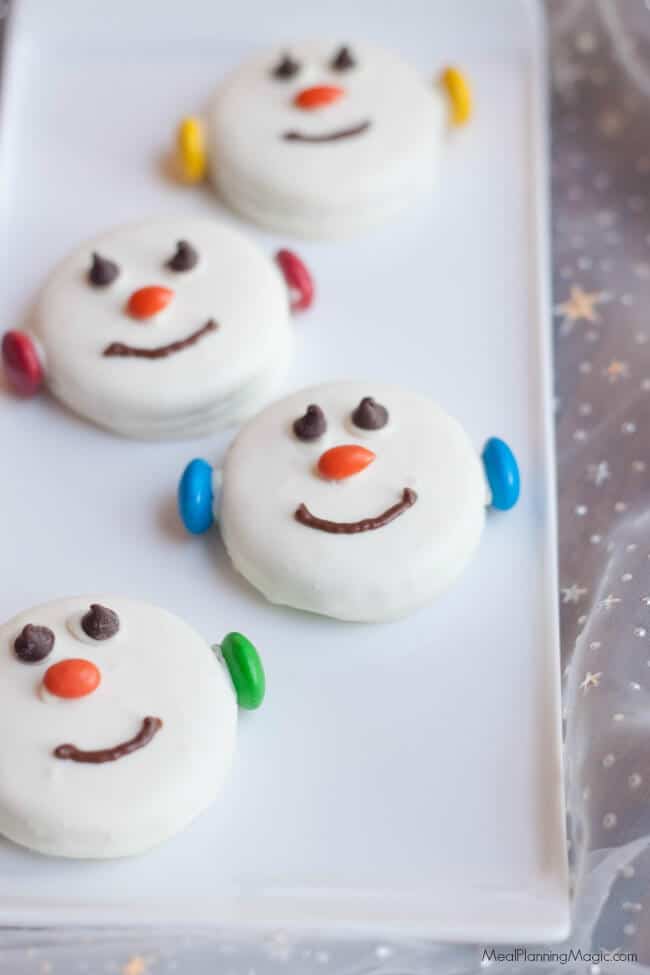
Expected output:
(167, 328)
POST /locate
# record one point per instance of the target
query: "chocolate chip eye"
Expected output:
(185, 257)
(370, 415)
(102, 271)
(343, 60)
(34, 643)
(100, 623)
(287, 67)
(312, 425)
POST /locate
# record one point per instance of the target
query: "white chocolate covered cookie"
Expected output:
(356, 500)
(168, 328)
(322, 139)
(117, 724)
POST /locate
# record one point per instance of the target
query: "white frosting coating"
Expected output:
(328, 188)
(225, 376)
(377, 575)
(156, 665)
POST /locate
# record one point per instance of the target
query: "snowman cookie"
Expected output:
(169, 328)
(322, 139)
(117, 724)
(356, 500)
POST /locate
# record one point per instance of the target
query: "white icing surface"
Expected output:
(222, 378)
(377, 575)
(332, 188)
(155, 665)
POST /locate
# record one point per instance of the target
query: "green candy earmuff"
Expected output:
(245, 668)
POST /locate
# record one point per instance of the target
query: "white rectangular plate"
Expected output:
(403, 778)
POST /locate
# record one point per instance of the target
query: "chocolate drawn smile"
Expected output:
(305, 517)
(150, 727)
(336, 136)
(161, 351)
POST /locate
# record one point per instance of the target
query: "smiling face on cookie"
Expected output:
(153, 325)
(310, 132)
(117, 727)
(372, 502)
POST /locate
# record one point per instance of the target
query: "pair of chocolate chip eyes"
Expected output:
(35, 643)
(368, 415)
(103, 271)
(288, 67)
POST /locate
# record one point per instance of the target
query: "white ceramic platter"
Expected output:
(403, 778)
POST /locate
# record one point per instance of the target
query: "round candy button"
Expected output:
(298, 279)
(502, 472)
(337, 463)
(147, 302)
(195, 496)
(72, 678)
(22, 365)
(245, 668)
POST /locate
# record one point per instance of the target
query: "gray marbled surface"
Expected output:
(600, 53)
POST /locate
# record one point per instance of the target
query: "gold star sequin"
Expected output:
(617, 370)
(137, 965)
(579, 306)
(591, 680)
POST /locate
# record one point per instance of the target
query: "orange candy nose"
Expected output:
(337, 463)
(146, 302)
(318, 96)
(72, 678)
